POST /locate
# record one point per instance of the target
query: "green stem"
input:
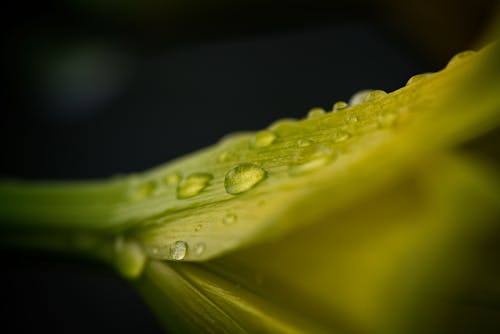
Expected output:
(62, 206)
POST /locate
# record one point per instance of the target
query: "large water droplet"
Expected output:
(262, 139)
(243, 177)
(417, 78)
(374, 94)
(359, 97)
(193, 185)
(315, 112)
(229, 219)
(339, 106)
(130, 258)
(179, 250)
(460, 56)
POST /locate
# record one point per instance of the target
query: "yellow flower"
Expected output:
(380, 217)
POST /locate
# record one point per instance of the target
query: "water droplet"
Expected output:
(417, 78)
(223, 157)
(340, 136)
(352, 119)
(374, 94)
(315, 112)
(243, 177)
(229, 219)
(142, 190)
(178, 250)
(310, 161)
(172, 179)
(304, 142)
(460, 56)
(193, 185)
(283, 124)
(387, 120)
(199, 249)
(339, 106)
(262, 139)
(359, 97)
(198, 227)
(130, 258)
(308, 166)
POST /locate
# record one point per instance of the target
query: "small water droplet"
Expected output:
(142, 190)
(178, 250)
(262, 139)
(417, 78)
(172, 179)
(243, 177)
(352, 119)
(340, 136)
(315, 112)
(304, 142)
(283, 124)
(359, 97)
(199, 249)
(387, 120)
(339, 106)
(311, 160)
(374, 94)
(460, 56)
(229, 219)
(223, 157)
(308, 166)
(193, 185)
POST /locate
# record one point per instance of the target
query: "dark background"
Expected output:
(95, 89)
